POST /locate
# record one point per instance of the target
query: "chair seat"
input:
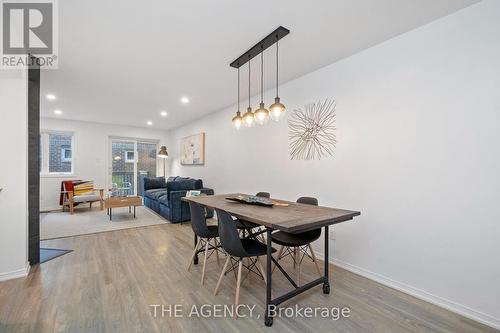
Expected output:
(255, 248)
(291, 240)
(86, 198)
(242, 224)
(213, 231)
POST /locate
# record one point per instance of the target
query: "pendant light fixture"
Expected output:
(248, 117)
(277, 109)
(238, 120)
(261, 114)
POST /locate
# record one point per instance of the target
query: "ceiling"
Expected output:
(122, 62)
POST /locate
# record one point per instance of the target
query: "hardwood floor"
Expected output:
(109, 281)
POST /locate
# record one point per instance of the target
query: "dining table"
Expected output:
(285, 216)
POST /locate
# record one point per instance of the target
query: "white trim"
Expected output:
(128, 160)
(51, 209)
(63, 155)
(418, 293)
(26, 200)
(49, 131)
(58, 175)
(15, 274)
(128, 139)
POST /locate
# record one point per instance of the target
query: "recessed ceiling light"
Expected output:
(50, 97)
(149, 123)
(164, 113)
(184, 100)
(58, 112)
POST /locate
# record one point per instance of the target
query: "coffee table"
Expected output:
(117, 202)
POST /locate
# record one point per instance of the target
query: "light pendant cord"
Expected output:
(238, 89)
(249, 60)
(277, 70)
(262, 75)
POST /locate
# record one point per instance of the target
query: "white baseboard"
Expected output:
(50, 209)
(418, 293)
(15, 274)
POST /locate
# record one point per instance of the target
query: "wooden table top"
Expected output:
(284, 215)
(115, 202)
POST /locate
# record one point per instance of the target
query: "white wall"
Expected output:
(13, 174)
(418, 154)
(91, 153)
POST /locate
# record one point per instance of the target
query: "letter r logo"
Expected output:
(27, 27)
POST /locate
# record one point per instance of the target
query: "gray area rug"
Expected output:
(49, 254)
(89, 221)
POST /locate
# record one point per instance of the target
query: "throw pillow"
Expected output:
(150, 183)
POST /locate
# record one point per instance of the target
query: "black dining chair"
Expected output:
(205, 233)
(297, 245)
(237, 249)
(247, 226)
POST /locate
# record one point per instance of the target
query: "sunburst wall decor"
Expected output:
(311, 131)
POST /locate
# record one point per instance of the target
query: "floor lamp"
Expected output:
(163, 154)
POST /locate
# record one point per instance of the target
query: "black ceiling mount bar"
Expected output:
(266, 42)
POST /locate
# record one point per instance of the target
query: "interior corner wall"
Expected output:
(91, 153)
(13, 174)
(418, 135)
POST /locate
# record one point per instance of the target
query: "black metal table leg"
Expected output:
(326, 284)
(195, 260)
(110, 214)
(134, 212)
(129, 209)
(268, 320)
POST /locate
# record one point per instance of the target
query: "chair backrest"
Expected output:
(308, 201)
(315, 233)
(263, 195)
(198, 220)
(228, 235)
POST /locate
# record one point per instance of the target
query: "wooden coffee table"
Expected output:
(117, 202)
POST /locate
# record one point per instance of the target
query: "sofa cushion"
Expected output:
(198, 184)
(154, 182)
(155, 193)
(163, 199)
(176, 178)
(182, 185)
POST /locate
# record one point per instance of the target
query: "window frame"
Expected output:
(128, 160)
(63, 154)
(45, 153)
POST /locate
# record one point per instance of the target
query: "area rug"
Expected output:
(89, 221)
(49, 254)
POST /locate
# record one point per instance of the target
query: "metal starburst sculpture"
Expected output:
(311, 131)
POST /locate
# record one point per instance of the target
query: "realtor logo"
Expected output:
(29, 28)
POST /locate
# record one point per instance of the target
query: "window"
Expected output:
(129, 157)
(131, 160)
(56, 153)
(66, 154)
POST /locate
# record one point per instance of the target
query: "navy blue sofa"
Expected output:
(165, 197)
